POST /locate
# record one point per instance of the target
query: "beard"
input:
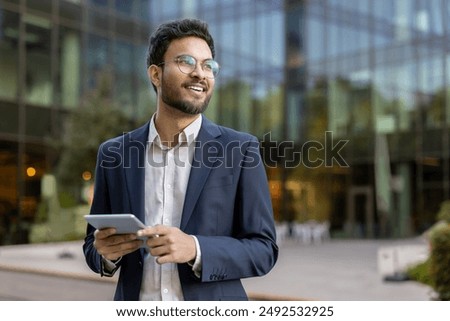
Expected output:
(174, 99)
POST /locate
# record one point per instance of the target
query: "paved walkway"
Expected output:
(344, 270)
(334, 270)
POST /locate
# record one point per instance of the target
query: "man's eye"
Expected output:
(208, 66)
(187, 60)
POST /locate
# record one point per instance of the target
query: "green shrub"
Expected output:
(444, 212)
(435, 272)
(440, 260)
(421, 273)
(67, 200)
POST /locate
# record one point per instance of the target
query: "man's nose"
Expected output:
(198, 71)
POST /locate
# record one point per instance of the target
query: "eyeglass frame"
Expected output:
(202, 64)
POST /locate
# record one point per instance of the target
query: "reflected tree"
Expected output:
(97, 119)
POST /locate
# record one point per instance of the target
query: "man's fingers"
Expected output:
(114, 243)
(159, 250)
(104, 233)
(156, 240)
(118, 250)
(154, 231)
(163, 259)
(107, 238)
(178, 248)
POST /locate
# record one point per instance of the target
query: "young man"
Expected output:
(200, 188)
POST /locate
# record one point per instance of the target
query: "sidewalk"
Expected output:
(335, 270)
(344, 270)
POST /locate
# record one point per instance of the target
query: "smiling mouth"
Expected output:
(198, 89)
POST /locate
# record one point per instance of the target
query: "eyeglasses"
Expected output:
(187, 64)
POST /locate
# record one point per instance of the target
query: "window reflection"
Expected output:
(9, 36)
(70, 10)
(99, 2)
(144, 92)
(124, 6)
(38, 68)
(70, 62)
(40, 5)
(98, 60)
(9, 122)
(123, 92)
(98, 20)
(447, 82)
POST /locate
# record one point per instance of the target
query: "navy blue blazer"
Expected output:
(227, 207)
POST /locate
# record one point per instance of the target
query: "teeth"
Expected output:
(196, 88)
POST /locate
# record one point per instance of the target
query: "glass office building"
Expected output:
(52, 55)
(350, 98)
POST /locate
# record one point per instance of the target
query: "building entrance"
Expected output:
(360, 221)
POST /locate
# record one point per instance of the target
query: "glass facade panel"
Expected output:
(431, 79)
(69, 66)
(9, 122)
(49, 58)
(38, 121)
(124, 28)
(9, 53)
(40, 5)
(102, 3)
(142, 11)
(446, 13)
(124, 6)
(98, 61)
(294, 69)
(245, 61)
(430, 17)
(277, 45)
(165, 10)
(295, 75)
(70, 10)
(433, 198)
(8, 190)
(98, 20)
(144, 92)
(315, 43)
(447, 87)
(124, 80)
(408, 20)
(38, 55)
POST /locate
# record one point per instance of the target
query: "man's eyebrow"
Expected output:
(178, 56)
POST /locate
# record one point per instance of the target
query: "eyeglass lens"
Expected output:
(187, 64)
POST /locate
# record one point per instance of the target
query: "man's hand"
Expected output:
(113, 246)
(169, 244)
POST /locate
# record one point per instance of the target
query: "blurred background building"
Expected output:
(350, 99)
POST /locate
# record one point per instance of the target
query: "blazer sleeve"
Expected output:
(100, 204)
(251, 250)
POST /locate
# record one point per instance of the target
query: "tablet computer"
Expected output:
(123, 223)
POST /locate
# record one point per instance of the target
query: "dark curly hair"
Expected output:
(172, 30)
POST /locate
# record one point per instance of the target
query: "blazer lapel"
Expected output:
(134, 168)
(205, 156)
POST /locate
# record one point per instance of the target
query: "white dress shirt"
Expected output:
(166, 178)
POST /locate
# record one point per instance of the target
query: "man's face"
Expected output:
(188, 93)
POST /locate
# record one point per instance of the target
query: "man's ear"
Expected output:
(154, 74)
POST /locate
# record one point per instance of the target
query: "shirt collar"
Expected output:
(187, 135)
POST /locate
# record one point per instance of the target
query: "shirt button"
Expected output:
(166, 291)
